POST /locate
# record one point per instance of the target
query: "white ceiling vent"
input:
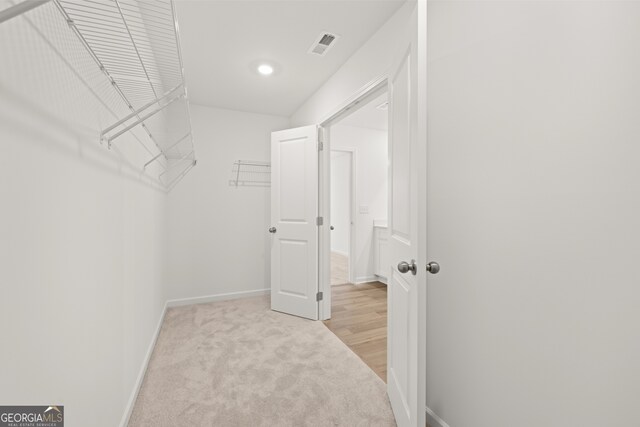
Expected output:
(323, 43)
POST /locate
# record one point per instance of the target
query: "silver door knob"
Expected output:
(332, 228)
(272, 230)
(433, 267)
(404, 267)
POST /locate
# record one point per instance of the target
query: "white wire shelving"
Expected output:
(250, 173)
(136, 45)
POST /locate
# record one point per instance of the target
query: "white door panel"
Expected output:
(294, 208)
(401, 151)
(291, 173)
(406, 291)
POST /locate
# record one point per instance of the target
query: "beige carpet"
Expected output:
(339, 269)
(237, 363)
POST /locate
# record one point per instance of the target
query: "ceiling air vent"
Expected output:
(323, 43)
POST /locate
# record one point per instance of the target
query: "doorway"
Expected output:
(358, 189)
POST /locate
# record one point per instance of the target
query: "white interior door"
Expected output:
(406, 288)
(294, 232)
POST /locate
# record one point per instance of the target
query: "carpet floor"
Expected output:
(237, 363)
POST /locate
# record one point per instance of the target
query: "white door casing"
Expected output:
(294, 209)
(406, 291)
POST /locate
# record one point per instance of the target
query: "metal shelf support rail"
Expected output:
(137, 112)
(104, 135)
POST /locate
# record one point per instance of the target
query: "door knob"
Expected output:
(404, 266)
(332, 227)
(433, 267)
(272, 230)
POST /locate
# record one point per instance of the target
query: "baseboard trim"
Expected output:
(218, 297)
(381, 279)
(366, 279)
(176, 303)
(433, 420)
(143, 370)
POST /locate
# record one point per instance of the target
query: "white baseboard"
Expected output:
(143, 370)
(218, 297)
(175, 303)
(366, 279)
(433, 420)
(381, 279)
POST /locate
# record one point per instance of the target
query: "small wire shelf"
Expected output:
(250, 173)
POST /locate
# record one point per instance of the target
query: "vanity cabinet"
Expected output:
(381, 251)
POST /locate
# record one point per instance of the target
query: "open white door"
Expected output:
(294, 231)
(406, 288)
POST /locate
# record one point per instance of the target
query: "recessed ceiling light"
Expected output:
(265, 69)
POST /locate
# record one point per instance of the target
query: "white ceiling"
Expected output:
(222, 42)
(369, 116)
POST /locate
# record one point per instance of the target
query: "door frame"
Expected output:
(352, 211)
(368, 92)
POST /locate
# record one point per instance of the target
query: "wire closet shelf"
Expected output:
(250, 173)
(135, 44)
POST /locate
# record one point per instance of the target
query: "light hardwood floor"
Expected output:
(359, 319)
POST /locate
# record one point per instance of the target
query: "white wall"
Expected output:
(371, 188)
(341, 201)
(534, 194)
(218, 238)
(81, 236)
(370, 62)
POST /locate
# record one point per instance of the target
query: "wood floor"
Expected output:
(359, 319)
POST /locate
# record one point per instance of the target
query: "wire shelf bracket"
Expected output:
(162, 153)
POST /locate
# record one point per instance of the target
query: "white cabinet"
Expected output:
(380, 248)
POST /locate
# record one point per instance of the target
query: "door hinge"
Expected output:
(319, 296)
(320, 145)
(319, 220)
